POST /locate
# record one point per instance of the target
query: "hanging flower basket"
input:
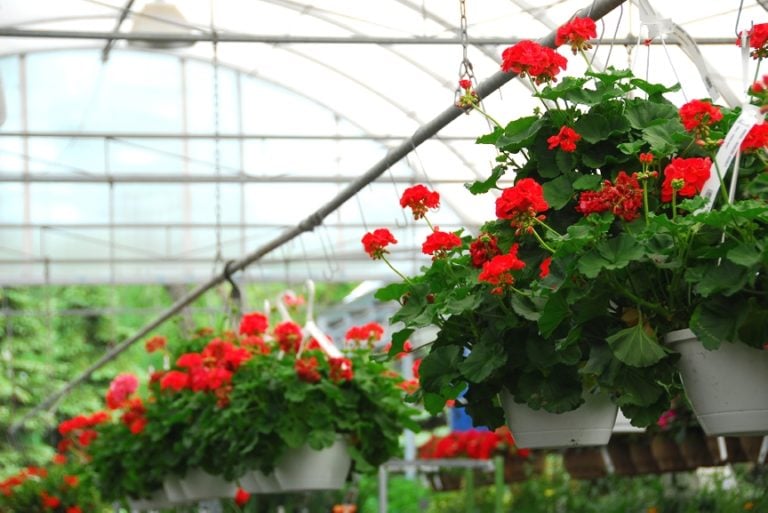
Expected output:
(156, 501)
(306, 469)
(259, 482)
(726, 386)
(589, 424)
(200, 485)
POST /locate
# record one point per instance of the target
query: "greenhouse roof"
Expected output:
(151, 142)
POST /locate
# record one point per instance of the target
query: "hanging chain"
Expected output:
(217, 149)
(466, 71)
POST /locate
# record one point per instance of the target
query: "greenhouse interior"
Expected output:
(488, 290)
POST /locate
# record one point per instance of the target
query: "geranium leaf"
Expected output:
(632, 148)
(642, 114)
(620, 251)
(554, 312)
(565, 161)
(439, 368)
(635, 347)
(398, 340)
(726, 278)
(637, 389)
(484, 358)
(662, 135)
(587, 182)
(519, 134)
(558, 192)
(568, 84)
(655, 91)
(434, 403)
(745, 255)
(610, 75)
(490, 138)
(459, 305)
(593, 127)
(391, 292)
(524, 307)
(483, 186)
(716, 321)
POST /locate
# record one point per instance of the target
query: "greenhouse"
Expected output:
(278, 256)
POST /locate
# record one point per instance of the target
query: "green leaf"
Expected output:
(632, 148)
(746, 255)
(587, 182)
(655, 91)
(483, 186)
(561, 90)
(642, 114)
(524, 307)
(661, 136)
(726, 278)
(490, 138)
(716, 321)
(398, 341)
(558, 192)
(635, 347)
(636, 387)
(593, 127)
(487, 355)
(554, 312)
(434, 403)
(519, 134)
(565, 161)
(439, 368)
(610, 75)
(392, 292)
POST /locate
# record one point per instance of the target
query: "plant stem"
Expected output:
(536, 91)
(586, 59)
(542, 243)
(487, 116)
(645, 200)
(429, 224)
(545, 225)
(674, 204)
(405, 279)
(637, 299)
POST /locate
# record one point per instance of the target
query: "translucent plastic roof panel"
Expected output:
(144, 164)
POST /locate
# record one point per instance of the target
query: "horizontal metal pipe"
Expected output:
(74, 134)
(193, 226)
(231, 37)
(130, 178)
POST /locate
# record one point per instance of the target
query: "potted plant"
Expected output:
(597, 251)
(249, 410)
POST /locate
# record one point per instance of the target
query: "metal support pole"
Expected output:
(598, 9)
(498, 462)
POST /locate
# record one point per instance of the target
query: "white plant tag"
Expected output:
(750, 116)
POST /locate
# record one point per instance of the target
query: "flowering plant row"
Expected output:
(236, 402)
(601, 247)
(475, 444)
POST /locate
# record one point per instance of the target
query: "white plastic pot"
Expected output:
(726, 387)
(173, 490)
(200, 485)
(157, 500)
(589, 424)
(256, 481)
(306, 469)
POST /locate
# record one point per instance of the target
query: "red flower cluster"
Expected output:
(375, 242)
(254, 323)
(530, 58)
(566, 139)
(756, 139)
(340, 369)
(134, 417)
(289, 336)
(624, 198)
(242, 497)
(499, 270)
(577, 33)
(155, 343)
(368, 333)
(306, 369)
(544, 267)
(255, 344)
(522, 203)
(210, 370)
(291, 300)
(49, 501)
(693, 171)
(697, 115)
(121, 388)
(78, 432)
(439, 243)
(758, 37)
(483, 249)
(420, 199)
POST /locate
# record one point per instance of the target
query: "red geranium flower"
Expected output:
(155, 344)
(59, 459)
(289, 336)
(241, 497)
(340, 369)
(189, 360)
(371, 332)
(375, 242)
(756, 138)
(522, 203)
(483, 249)
(175, 380)
(577, 32)
(624, 199)
(50, 501)
(693, 171)
(74, 509)
(121, 388)
(697, 114)
(254, 323)
(566, 139)
(71, 481)
(438, 243)
(499, 270)
(306, 369)
(530, 58)
(415, 367)
(646, 158)
(758, 37)
(420, 200)
(544, 267)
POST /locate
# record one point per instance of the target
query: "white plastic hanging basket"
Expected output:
(200, 485)
(157, 500)
(173, 490)
(306, 469)
(589, 424)
(256, 481)
(726, 387)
